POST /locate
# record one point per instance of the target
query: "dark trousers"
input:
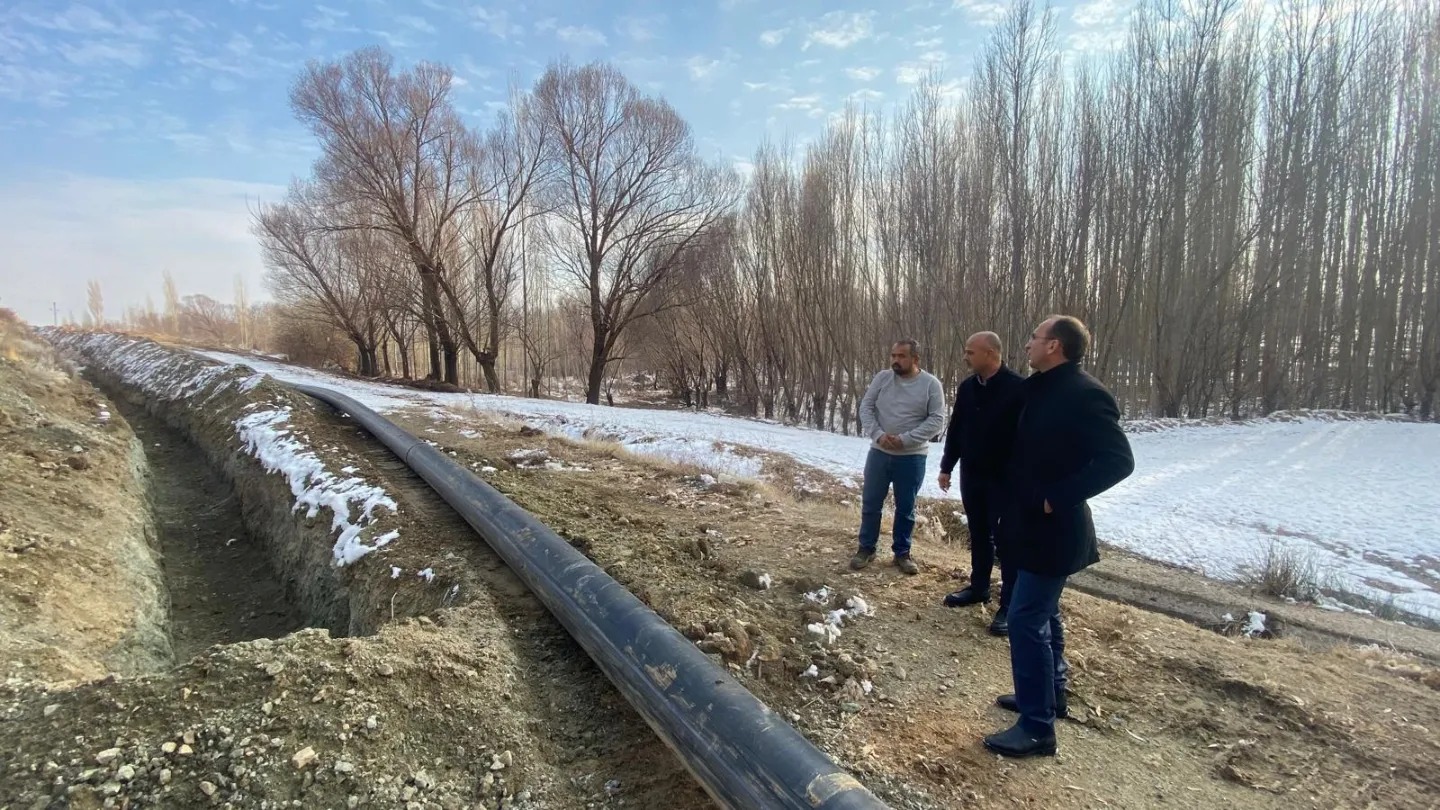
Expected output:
(1037, 650)
(983, 504)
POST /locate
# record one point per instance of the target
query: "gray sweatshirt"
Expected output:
(912, 409)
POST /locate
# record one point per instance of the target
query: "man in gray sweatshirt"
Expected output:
(903, 409)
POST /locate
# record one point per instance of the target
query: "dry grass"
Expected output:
(1285, 570)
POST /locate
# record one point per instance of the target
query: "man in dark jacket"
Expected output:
(971, 441)
(1067, 447)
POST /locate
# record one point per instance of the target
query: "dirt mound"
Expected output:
(416, 714)
(80, 591)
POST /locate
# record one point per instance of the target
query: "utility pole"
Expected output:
(55, 312)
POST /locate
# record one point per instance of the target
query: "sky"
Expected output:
(137, 137)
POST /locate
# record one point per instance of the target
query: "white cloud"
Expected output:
(863, 74)
(60, 230)
(840, 29)
(581, 35)
(914, 71)
(930, 43)
(479, 71)
(866, 96)
(78, 19)
(982, 12)
(773, 37)
(702, 68)
(1101, 26)
(808, 104)
(93, 54)
(420, 24)
(1083, 42)
(392, 40)
(46, 88)
(495, 22)
(329, 19)
(1100, 12)
(639, 29)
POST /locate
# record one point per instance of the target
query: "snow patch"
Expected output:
(1255, 624)
(265, 437)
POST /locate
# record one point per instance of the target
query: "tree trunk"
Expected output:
(597, 370)
(486, 361)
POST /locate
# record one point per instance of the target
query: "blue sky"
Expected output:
(134, 135)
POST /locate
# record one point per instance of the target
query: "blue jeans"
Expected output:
(881, 470)
(1037, 650)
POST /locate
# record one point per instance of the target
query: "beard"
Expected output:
(897, 368)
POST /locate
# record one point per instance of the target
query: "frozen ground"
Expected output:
(1361, 498)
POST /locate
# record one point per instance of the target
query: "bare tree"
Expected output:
(511, 167)
(395, 149)
(629, 196)
(207, 319)
(339, 275)
(172, 304)
(94, 303)
(242, 311)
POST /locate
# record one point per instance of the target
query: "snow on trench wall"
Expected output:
(319, 522)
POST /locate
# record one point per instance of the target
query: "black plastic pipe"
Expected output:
(744, 755)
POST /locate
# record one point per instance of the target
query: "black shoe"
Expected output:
(999, 626)
(967, 596)
(906, 564)
(1007, 702)
(861, 559)
(1017, 743)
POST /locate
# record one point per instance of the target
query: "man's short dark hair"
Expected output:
(1073, 336)
(912, 344)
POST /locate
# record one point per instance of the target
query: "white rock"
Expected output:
(303, 757)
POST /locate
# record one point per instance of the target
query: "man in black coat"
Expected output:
(1067, 447)
(970, 440)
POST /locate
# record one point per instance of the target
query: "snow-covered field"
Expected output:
(1361, 498)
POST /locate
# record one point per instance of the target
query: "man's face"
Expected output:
(1041, 346)
(901, 361)
(980, 357)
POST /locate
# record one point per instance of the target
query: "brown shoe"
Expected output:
(861, 559)
(906, 564)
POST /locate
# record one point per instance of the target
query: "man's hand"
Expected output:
(891, 442)
(945, 481)
(1048, 510)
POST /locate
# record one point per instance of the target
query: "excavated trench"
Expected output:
(221, 586)
(242, 562)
